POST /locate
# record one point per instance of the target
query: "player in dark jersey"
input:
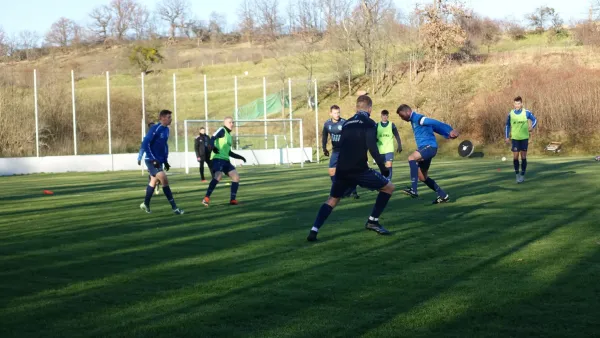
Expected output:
(333, 127)
(359, 136)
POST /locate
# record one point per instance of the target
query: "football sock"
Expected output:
(516, 165)
(332, 178)
(380, 203)
(390, 175)
(523, 166)
(211, 187)
(435, 187)
(324, 212)
(234, 189)
(414, 174)
(149, 192)
(169, 196)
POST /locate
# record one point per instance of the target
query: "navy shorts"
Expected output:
(222, 166)
(388, 157)
(368, 179)
(151, 170)
(334, 158)
(520, 145)
(427, 154)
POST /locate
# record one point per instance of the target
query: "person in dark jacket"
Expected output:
(202, 152)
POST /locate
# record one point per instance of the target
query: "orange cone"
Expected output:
(48, 192)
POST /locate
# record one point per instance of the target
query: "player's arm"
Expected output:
(147, 142)
(438, 127)
(217, 135)
(197, 147)
(531, 117)
(325, 134)
(397, 136)
(237, 156)
(507, 128)
(371, 134)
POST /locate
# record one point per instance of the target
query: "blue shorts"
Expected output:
(222, 166)
(427, 154)
(151, 170)
(334, 158)
(388, 157)
(368, 179)
(520, 145)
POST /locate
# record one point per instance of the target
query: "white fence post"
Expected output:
(37, 135)
(74, 116)
(185, 154)
(175, 110)
(317, 121)
(143, 109)
(108, 110)
(265, 110)
(235, 88)
(290, 103)
(205, 105)
(302, 145)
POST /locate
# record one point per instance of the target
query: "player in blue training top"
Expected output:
(420, 161)
(517, 127)
(333, 126)
(139, 160)
(157, 154)
(359, 136)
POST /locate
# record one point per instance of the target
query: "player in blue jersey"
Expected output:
(386, 133)
(139, 161)
(359, 136)
(419, 161)
(157, 154)
(333, 127)
(518, 129)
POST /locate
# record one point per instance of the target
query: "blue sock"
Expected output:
(149, 192)
(234, 189)
(414, 174)
(211, 186)
(433, 186)
(324, 212)
(332, 178)
(390, 175)
(516, 165)
(380, 203)
(523, 166)
(169, 195)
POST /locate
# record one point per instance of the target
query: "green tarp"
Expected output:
(255, 109)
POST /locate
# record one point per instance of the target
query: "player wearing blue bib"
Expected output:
(424, 129)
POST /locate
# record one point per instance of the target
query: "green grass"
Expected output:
(501, 260)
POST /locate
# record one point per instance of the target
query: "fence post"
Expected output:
(235, 88)
(74, 116)
(108, 110)
(205, 105)
(317, 121)
(143, 109)
(175, 110)
(37, 135)
(302, 146)
(290, 103)
(185, 135)
(265, 110)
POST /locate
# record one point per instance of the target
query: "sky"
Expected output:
(38, 15)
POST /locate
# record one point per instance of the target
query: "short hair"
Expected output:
(334, 107)
(518, 99)
(385, 112)
(364, 101)
(164, 112)
(151, 124)
(201, 128)
(403, 107)
(228, 118)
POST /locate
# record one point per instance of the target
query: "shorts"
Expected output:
(152, 170)
(368, 179)
(388, 157)
(427, 154)
(520, 145)
(333, 160)
(222, 166)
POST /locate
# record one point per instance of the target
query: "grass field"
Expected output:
(502, 260)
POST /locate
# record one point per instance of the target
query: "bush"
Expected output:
(145, 57)
(516, 32)
(587, 33)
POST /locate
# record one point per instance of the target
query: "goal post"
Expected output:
(259, 147)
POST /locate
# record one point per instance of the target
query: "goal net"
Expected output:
(270, 141)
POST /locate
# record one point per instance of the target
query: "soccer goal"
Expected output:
(261, 142)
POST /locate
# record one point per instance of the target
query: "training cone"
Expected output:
(48, 192)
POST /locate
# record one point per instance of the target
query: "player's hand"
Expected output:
(167, 166)
(155, 164)
(326, 152)
(507, 140)
(399, 151)
(139, 162)
(453, 134)
(215, 150)
(198, 159)
(243, 158)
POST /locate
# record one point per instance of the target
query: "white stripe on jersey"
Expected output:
(216, 132)
(422, 120)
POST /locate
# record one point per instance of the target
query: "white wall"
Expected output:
(117, 162)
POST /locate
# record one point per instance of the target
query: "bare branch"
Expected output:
(102, 19)
(173, 12)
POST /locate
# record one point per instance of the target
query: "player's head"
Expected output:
(228, 122)
(518, 103)
(385, 115)
(404, 111)
(165, 117)
(202, 131)
(364, 103)
(334, 112)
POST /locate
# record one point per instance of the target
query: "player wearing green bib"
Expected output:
(518, 129)
(220, 143)
(386, 132)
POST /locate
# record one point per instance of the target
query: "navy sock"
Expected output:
(324, 212)
(149, 192)
(516, 165)
(211, 186)
(332, 178)
(169, 196)
(390, 175)
(380, 203)
(523, 166)
(414, 174)
(433, 186)
(234, 189)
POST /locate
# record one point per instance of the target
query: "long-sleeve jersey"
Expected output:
(424, 129)
(335, 129)
(529, 116)
(223, 146)
(201, 145)
(155, 143)
(359, 136)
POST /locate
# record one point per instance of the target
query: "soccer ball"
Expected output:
(503, 159)
(597, 158)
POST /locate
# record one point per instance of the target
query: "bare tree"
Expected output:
(307, 34)
(61, 32)
(140, 20)
(368, 18)
(101, 21)
(268, 20)
(540, 18)
(341, 37)
(173, 12)
(122, 11)
(28, 40)
(200, 30)
(246, 24)
(490, 33)
(216, 27)
(3, 43)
